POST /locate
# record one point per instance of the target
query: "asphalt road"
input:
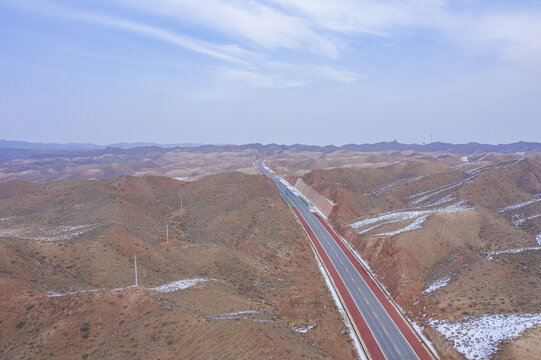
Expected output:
(383, 332)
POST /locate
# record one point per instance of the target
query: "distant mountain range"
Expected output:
(22, 149)
(13, 144)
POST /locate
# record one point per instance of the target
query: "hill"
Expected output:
(456, 241)
(237, 279)
(49, 162)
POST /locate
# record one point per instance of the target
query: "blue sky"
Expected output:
(305, 71)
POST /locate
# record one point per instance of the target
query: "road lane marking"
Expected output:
(376, 315)
(332, 246)
(385, 330)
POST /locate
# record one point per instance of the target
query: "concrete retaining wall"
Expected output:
(324, 205)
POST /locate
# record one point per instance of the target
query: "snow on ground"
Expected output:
(482, 157)
(57, 294)
(432, 193)
(167, 288)
(536, 198)
(416, 224)
(7, 218)
(477, 170)
(425, 195)
(381, 190)
(180, 285)
(464, 159)
(397, 216)
(302, 329)
(240, 315)
(439, 283)
(501, 166)
(419, 329)
(517, 223)
(491, 254)
(56, 233)
(479, 337)
(443, 200)
(538, 239)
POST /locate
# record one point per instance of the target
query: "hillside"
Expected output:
(240, 278)
(50, 162)
(456, 241)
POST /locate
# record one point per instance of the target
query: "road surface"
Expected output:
(383, 332)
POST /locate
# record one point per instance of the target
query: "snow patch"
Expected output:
(479, 337)
(57, 233)
(464, 159)
(477, 170)
(430, 193)
(512, 164)
(482, 157)
(180, 285)
(397, 216)
(536, 198)
(441, 282)
(517, 223)
(416, 224)
(419, 329)
(240, 315)
(302, 329)
(381, 190)
(443, 200)
(491, 254)
(538, 239)
(167, 288)
(57, 294)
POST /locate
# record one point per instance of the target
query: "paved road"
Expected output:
(383, 332)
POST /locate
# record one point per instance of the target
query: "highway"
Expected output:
(383, 332)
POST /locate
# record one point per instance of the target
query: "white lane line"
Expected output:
(333, 246)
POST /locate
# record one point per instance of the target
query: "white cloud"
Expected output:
(249, 36)
(513, 35)
(324, 27)
(258, 79)
(276, 75)
(364, 17)
(260, 23)
(131, 26)
(343, 76)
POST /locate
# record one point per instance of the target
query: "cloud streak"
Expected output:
(160, 34)
(276, 44)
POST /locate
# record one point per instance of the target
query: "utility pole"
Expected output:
(167, 232)
(135, 261)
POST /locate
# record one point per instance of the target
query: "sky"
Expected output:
(270, 71)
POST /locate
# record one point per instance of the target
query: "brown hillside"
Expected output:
(499, 204)
(233, 230)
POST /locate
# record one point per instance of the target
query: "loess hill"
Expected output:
(450, 237)
(66, 272)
